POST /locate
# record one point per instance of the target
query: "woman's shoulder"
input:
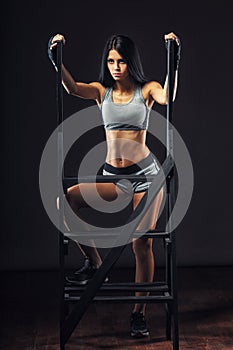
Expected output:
(150, 85)
(101, 89)
(147, 90)
(98, 85)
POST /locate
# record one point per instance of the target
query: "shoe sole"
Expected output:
(140, 334)
(82, 283)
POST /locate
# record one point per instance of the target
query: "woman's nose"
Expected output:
(116, 66)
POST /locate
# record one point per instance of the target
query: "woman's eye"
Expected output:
(110, 60)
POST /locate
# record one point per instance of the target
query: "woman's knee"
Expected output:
(69, 196)
(142, 247)
(73, 195)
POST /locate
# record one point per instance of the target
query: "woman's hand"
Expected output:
(52, 48)
(55, 39)
(172, 36)
(177, 48)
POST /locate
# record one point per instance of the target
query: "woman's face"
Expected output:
(117, 66)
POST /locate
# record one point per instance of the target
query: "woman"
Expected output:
(125, 98)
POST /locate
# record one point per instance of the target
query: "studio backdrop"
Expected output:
(202, 115)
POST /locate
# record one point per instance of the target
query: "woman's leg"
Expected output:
(92, 191)
(144, 256)
(142, 247)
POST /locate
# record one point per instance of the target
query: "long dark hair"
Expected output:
(129, 52)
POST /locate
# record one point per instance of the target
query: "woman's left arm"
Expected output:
(158, 93)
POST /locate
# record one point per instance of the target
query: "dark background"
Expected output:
(202, 113)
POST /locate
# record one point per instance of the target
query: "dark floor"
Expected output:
(29, 314)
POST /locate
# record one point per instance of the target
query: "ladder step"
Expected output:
(116, 299)
(137, 287)
(126, 299)
(106, 178)
(99, 234)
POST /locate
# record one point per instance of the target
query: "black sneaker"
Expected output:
(138, 327)
(84, 274)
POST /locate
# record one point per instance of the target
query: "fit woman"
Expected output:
(125, 98)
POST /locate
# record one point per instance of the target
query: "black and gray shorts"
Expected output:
(147, 166)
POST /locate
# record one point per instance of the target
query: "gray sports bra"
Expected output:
(133, 115)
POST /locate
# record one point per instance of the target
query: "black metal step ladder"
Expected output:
(165, 291)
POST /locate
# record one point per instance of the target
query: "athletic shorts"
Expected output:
(147, 166)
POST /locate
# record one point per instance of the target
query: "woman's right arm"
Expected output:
(92, 91)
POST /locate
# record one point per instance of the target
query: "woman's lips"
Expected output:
(116, 74)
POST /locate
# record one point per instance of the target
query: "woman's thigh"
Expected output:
(150, 218)
(86, 194)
